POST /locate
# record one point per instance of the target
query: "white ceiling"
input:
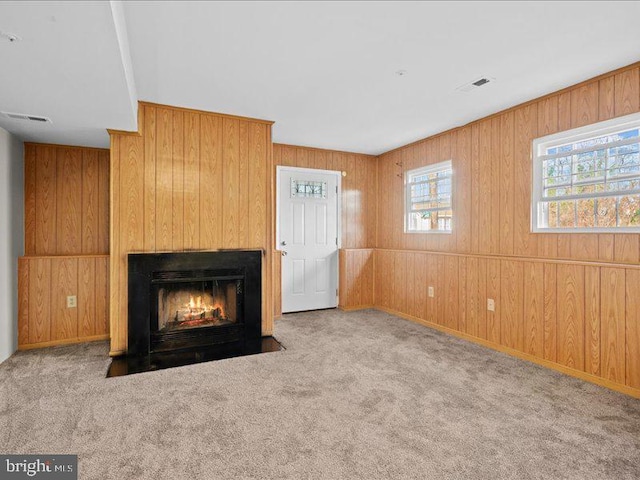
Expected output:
(324, 71)
(69, 67)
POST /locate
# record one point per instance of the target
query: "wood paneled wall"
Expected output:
(189, 180)
(492, 164)
(568, 301)
(66, 245)
(43, 286)
(580, 316)
(66, 200)
(358, 216)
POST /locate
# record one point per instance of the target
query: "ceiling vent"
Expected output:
(477, 83)
(29, 118)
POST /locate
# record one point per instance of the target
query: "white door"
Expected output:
(308, 238)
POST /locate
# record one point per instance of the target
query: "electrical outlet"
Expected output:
(491, 304)
(431, 292)
(72, 301)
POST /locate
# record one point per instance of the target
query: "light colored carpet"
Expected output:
(355, 395)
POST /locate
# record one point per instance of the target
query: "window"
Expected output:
(588, 179)
(428, 198)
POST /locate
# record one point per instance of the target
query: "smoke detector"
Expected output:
(11, 37)
(477, 83)
(24, 116)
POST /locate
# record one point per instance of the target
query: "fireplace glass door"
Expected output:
(192, 303)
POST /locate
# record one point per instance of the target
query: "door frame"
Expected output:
(338, 174)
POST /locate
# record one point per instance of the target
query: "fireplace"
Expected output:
(190, 300)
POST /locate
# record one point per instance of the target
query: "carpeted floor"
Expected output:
(355, 395)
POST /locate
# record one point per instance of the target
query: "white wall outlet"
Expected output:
(491, 304)
(431, 292)
(72, 301)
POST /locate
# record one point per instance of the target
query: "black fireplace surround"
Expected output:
(155, 283)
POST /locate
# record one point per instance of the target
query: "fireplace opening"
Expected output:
(196, 304)
(191, 307)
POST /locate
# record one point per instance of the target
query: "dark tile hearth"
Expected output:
(128, 365)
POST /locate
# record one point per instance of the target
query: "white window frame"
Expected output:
(540, 146)
(435, 167)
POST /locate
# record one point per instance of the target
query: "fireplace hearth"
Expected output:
(193, 305)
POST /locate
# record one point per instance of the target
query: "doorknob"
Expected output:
(283, 243)
(283, 253)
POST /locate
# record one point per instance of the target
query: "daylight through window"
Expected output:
(588, 179)
(428, 198)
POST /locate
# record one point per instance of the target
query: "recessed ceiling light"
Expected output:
(401, 73)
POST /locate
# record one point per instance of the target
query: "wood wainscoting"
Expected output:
(582, 318)
(356, 278)
(568, 301)
(66, 246)
(188, 180)
(44, 282)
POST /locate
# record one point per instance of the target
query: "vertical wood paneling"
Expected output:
(86, 292)
(578, 314)
(612, 316)
(46, 167)
(243, 182)
(69, 202)
(592, 320)
(64, 282)
(570, 315)
(210, 182)
(534, 309)
(463, 298)
(550, 312)
(473, 298)
(231, 183)
(102, 295)
(485, 183)
(451, 292)
(90, 204)
(150, 144)
(481, 305)
(512, 302)
(30, 191)
(66, 200)
(23, 301)
(493, 291)
(632, 333)
(462, 199)
(526, 124)
(39, 300)
(191, 181)
(164, 179)
(43, 286)
(258, 178)
(177, 189)
(506, 185)
(116, 327)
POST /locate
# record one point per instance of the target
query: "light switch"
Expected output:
(431, 292)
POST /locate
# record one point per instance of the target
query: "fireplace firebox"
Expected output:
(187, 300)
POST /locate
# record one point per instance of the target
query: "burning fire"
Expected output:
(196, 311)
